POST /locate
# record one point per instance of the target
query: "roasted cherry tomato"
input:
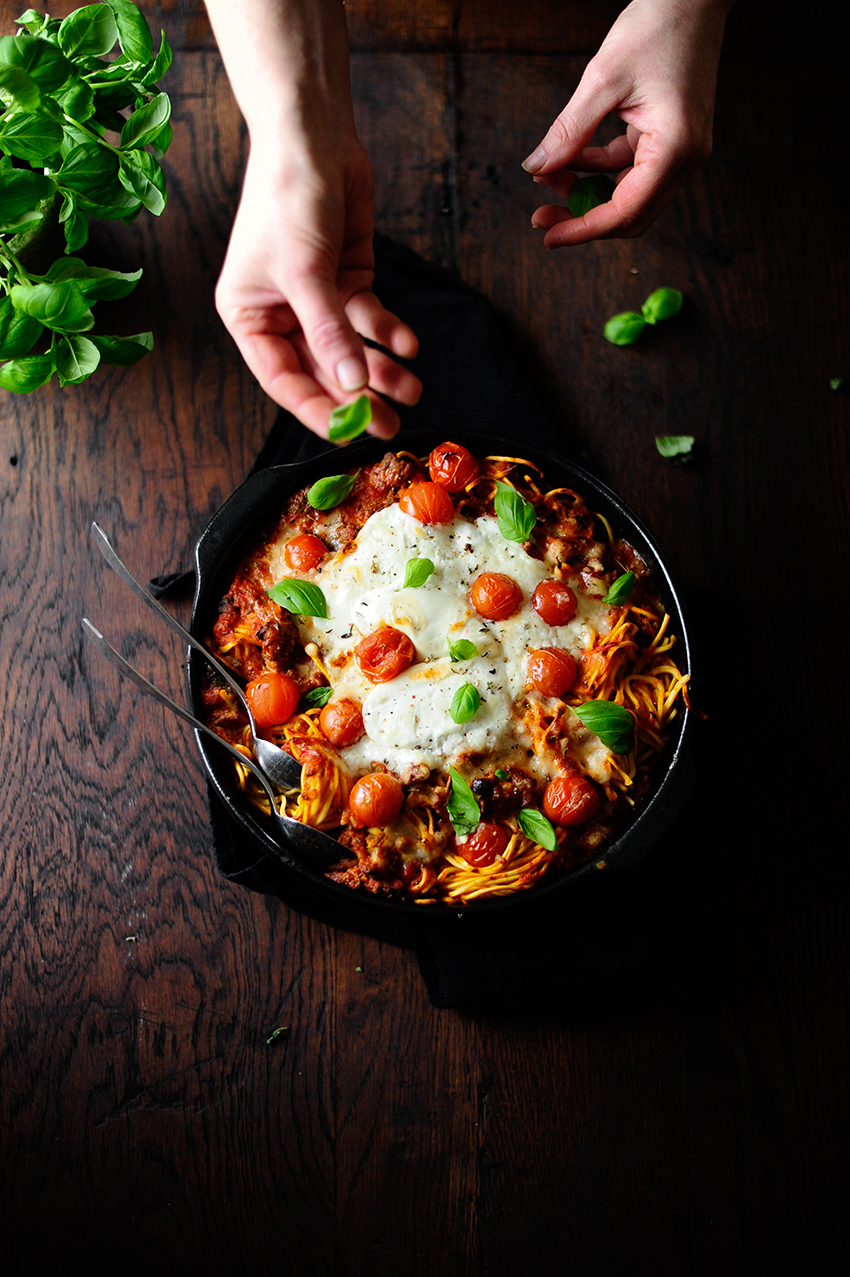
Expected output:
(452, 466)
(570, 800)
(484, 845)
(495, 596)
(427, 502)
(303, 553)
(554, 602)
(272, 697)
(341, 722)
(375, 800)
(384, 654)
(552, 671)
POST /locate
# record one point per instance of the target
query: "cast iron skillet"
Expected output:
(229, 536)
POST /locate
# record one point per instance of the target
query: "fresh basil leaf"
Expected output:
(516, 516)
(536, 827)
(21, 190)
(146, 122)
(416, 573)
(835, 383)
(587, 192)
(23, 375)
(301, 597)
(141, 174)
(32, 20)
(74, 222)
(18, 333)
(134, 34)
(34, 138)
(661, 304)
(89, 31)
(624, 329)
(317, 697)
(463, 809)
(160, 64)
(676, 448)
(77, 101)
(350, 420)
(613, 724)
(160, 144)
(76, 359)
(621, 589)
(122, 351)
(462, 650)
(466, 703)
(501, 774)
(331, 491)
(42, 61)
(61, 307)
(97, 283)
(21, 87)
(92, 171)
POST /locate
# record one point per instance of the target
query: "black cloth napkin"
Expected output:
(479, 378)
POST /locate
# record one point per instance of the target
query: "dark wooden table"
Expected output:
(693, 1123)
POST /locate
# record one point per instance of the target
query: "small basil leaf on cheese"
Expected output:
(330, 491)
(416, 572)
(462, 650)
(613, 724)
(349, 420)
(501, 774)
(463, 809)
(516, 516)
(301, 597)
(621, 589)
(316, 697)
(465, 703)
(536, 827)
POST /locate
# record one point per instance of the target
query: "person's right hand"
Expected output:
(295, 291)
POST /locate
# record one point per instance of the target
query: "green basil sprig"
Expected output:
(515, 515)
(466, 703)
(416, 573)
(621, 589)
(463, 809)
(536, 827)
(587, 192)
(676, 448)
(612, 723)
(350, 420)
(317, 697)
(329, 492)
(62, 94)
(462, 650)
(300, 597)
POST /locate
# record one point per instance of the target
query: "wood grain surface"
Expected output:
(694, 1122)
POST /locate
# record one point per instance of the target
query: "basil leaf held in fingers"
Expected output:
(613, 724)
(350, 420)
(536, 827)
(466, 703)
(463, 809)
(587, 192)
(416, 573)
(303, 598)
(329, 492)
(516, 516)
(621, 589)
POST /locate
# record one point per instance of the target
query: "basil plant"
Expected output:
(82, 130)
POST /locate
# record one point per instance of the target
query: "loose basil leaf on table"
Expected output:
(463, 809)
(350, 420)
(536, 827)
(516, 516)
(621, 589)
(466, 703)
(417, 572)
(612, 723)
(302, 598)
(624, 329)
(329, 492)
(662, 304)
(676, 448)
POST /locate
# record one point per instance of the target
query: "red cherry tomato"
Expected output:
(552, 671)
(554, 602)
(570, 800)
(384, 654)
(427, 502)
(272, 697)
(484, 845)
(495, 596)
(452, 466)
(375, 800)
(341, 722)
(303, 553)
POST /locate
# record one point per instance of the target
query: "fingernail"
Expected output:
(350, 374)
(535, 161)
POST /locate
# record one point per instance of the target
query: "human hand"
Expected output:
(657, 70)
(295, 290)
